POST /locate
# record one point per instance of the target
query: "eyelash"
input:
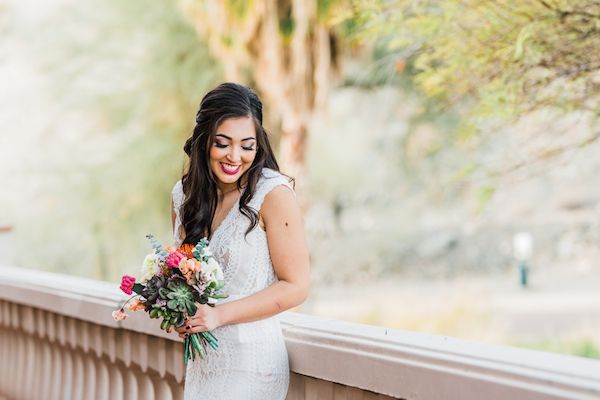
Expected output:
(222, 146)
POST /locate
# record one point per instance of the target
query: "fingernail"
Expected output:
(188, 327)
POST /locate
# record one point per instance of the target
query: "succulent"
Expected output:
(169, 317)
(179, 296)
(151, 291)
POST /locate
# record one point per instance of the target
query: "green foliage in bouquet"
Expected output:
(151, 291)
(170, 318)
(179, 297)
(200, 251)
(158, 248)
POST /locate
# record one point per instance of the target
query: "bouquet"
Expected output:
(173, 281)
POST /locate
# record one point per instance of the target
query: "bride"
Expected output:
(234, 194)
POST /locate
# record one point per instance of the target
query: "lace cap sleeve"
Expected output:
(178, 197)
(269, 180)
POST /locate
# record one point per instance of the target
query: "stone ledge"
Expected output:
(392, 362)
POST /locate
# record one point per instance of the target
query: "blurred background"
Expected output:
(446, 152)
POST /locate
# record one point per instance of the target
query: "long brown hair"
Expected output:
(228, 100)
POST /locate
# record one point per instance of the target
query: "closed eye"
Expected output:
(222, 146)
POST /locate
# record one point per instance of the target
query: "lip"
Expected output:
(229, 172)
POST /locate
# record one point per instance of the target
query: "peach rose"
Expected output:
(190, 264)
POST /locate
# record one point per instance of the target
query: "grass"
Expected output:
(581, 347)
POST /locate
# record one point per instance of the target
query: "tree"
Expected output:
(510, 56)
(287, 48)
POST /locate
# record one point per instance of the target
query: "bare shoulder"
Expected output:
(280, 196)
(280, 205)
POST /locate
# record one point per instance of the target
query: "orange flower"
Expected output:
(136, 305)
(186, 250)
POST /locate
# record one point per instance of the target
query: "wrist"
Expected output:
(222, 314)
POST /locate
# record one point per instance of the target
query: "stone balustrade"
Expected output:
(58, 341)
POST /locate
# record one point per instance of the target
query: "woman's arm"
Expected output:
(289, 254)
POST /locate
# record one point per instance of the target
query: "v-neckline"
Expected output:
(229, 213)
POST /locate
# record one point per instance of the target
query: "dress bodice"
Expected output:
(245, 259)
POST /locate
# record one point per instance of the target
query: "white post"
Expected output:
(522, 250)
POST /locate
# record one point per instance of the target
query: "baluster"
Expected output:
(162, 390)
(4, 350)
(44, 371)
(101, 378)
(20, 358)
(78, 375)
(31, 368)
(116, 384)
(89, 380)
(57, 369)
(67, 379)
(145, 385)
(130, 382)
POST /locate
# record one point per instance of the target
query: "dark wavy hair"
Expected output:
(228, 100)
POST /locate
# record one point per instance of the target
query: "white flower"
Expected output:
(212, 267)
(206, 252)
(149, 268)
(204, 277)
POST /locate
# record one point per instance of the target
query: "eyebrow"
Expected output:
(227, 137)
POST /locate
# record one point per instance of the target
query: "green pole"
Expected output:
(523, 274)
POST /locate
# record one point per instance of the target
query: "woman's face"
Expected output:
(233, 150)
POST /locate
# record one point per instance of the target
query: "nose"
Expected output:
(233, 155)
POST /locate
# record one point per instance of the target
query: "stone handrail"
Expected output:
(58, 340)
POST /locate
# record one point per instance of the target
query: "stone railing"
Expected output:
(59, 341)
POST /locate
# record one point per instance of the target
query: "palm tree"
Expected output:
(286, 48)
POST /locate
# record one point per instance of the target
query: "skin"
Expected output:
(280, 218)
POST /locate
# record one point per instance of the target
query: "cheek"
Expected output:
(215, 153)
(249, 158)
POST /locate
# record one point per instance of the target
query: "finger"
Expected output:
(197, 329)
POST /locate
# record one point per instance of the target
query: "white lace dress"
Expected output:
(251, 361)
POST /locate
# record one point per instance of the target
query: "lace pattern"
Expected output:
(251, 361)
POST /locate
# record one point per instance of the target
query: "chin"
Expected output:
(228, 178)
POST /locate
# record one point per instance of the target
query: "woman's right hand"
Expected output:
(182, 331)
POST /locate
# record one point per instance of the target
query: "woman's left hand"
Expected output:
(206, 318)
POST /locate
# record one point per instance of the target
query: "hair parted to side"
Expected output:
(228, 100)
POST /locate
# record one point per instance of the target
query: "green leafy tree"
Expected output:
(502, 58)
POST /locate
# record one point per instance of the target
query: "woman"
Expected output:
(234, 194)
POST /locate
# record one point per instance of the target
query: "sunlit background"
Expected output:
(446, 153)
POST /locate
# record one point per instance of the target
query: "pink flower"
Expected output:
(173, 259)
(119, 315)
(127, 284)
